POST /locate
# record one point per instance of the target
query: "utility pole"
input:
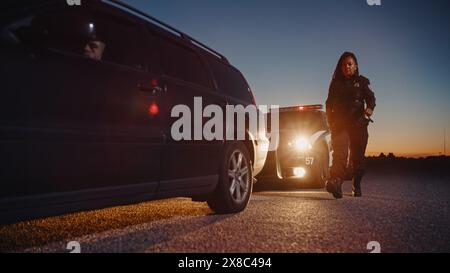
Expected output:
(444, 142)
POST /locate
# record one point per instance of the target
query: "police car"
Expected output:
(303, 150)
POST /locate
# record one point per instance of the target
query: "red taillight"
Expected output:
(154, 83)
(153, 109)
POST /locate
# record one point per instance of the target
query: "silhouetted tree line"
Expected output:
(431, 164)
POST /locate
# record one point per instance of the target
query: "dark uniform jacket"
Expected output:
(345, 103)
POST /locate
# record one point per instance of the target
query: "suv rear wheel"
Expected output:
(235, 181)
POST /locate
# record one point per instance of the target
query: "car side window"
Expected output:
(230, 81)
(93, 34)
(183, 63)
(125, 42)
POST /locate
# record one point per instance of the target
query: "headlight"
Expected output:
(299, 172)
(302, 144)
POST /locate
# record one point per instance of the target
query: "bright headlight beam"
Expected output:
(299, 172)
(301, 144)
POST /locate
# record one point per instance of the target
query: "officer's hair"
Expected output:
(338, 71)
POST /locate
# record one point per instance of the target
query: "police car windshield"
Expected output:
(301, 120)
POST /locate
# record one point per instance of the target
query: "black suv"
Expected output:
(85, 112)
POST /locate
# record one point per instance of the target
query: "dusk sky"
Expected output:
(288, 50)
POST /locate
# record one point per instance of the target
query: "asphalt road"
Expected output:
(403, 213)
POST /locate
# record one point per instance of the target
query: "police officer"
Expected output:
(349, 106)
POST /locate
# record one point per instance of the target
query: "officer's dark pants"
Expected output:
(342, 139)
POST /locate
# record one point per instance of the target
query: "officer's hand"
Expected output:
(369, 112)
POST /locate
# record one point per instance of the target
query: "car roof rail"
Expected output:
(169, 28)
(301, 108)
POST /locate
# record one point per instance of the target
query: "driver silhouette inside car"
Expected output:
(94, 49)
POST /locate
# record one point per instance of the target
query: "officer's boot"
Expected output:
(357, 177)
(334, 186)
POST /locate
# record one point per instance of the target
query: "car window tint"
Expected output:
(91, 34)
(183, 63)
(151, 55)
(230, 81)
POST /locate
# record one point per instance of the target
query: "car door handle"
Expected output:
(154, 87)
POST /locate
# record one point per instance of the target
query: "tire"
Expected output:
(235, 180)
